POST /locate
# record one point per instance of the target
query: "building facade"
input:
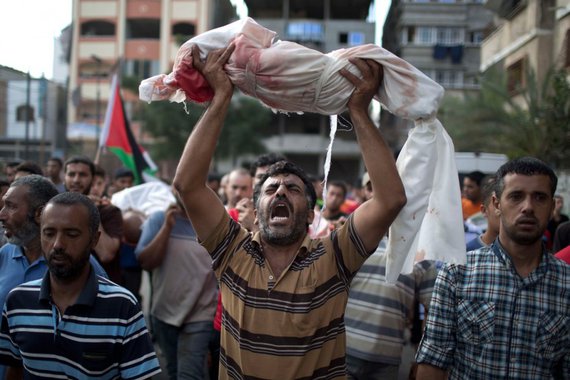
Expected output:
(442, 38)
(141, 37)
(32, 118)
(530, 34)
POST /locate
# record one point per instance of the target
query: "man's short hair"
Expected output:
(263, 160)
(70, 199)
(56, 160)
(476, 177)
(40, 191)
(488, 189)
(13, 164)
(340, 184)
(29, 167)
(124, 172)
(80, 160)
(99, 171)
(525, 166)
(286, 167)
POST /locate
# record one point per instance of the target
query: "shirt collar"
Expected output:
(303, 248)
(505, 258)
(88, 293)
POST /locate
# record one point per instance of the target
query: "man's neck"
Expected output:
(280, 257)
(525, 258)
(32, 250)
(329, 214)
(65, 293)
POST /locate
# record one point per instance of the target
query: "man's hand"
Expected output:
(365, 88)
(213, 69)
(246, 216)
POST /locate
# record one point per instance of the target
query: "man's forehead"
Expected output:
(78, 167)
(286, 178)
(514, 181)
(16, 192)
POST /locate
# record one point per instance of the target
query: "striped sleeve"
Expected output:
(138, 359)
(9, 352)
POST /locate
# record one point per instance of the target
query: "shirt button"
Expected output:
(271, 277)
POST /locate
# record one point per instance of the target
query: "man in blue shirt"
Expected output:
(505, 313)
(21, 258)
(73, 323)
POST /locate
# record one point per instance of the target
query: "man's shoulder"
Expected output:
(108, 289)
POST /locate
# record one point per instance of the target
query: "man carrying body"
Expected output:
(73, 323)
(505, 313)
(284, 294)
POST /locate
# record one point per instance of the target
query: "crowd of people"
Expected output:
(254, 276)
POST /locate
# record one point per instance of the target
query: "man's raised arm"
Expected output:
(373, 218)
(202, 205)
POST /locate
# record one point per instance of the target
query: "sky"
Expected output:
(28, 29)
(27, 32)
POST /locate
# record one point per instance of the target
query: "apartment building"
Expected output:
(531, 34)
(142, 36)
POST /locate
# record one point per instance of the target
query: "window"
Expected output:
(355, 38)
(476, 37)
(448, 78)
(411, 34)
(449, 36)
(305, 31)
(141, 68)
(343, 38)
(515, 76)
(25, 113)
(425, 35)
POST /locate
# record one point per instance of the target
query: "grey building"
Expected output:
(32, 117)
(442, 38)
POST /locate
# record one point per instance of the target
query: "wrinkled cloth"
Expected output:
(289, 77)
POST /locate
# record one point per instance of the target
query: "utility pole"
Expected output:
(28, 109)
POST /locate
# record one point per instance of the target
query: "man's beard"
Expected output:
(284, 238)
(71, 270)
(27, 232)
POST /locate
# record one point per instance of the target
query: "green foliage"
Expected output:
(533, 122)
(171, 125)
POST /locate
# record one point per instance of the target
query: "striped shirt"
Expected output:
(487, 322)
(289, 327)
(102, 336)
(378, 313)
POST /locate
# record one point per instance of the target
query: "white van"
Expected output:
(487, 163)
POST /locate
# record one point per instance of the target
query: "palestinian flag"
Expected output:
(117, 137)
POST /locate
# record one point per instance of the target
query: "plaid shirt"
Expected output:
(487, 322)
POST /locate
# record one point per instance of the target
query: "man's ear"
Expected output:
(311, 216)
(38, 214)
(95, 238)
(496, 203)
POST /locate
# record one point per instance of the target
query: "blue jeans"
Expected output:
(359, 369)
(184, 348)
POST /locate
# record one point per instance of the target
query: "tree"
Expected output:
(171, 123)
(533, 121)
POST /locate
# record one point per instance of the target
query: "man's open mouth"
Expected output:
(280, 212)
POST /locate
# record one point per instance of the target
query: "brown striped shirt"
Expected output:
(290, 327)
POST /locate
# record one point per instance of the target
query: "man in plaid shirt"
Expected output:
(505, 314)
